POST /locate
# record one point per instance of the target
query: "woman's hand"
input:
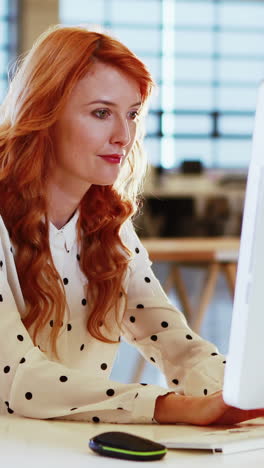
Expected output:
(201, 411)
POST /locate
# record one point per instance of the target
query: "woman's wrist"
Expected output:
(171, 408)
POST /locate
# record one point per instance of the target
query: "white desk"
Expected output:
(61, 444)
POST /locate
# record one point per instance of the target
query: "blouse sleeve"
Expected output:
(33, 386)
(191, 365)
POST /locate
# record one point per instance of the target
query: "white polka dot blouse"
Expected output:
(78, 385)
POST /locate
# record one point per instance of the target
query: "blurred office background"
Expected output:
(207, 58)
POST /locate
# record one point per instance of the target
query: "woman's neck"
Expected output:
(61, 205)
(60, 219)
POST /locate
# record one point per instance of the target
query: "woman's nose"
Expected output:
(121, 133)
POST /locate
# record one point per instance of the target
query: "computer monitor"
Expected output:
(244, 373)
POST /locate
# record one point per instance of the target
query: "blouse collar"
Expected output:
(67, 233)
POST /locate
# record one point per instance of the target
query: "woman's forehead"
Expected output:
(107, 83)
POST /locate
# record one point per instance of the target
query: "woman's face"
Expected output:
(96, 129)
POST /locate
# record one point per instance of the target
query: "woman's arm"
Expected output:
(34, 385)
(191, 365)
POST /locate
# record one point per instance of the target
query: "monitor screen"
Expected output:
(244, 374)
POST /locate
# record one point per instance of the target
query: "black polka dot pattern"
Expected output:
(63, 378)
(162, 322)
(10, 411)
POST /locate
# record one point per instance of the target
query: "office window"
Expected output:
(8, 40)
(207, 58)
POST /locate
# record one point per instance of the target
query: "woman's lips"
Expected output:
(111, 158)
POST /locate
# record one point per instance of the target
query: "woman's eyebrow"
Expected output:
(110, 103)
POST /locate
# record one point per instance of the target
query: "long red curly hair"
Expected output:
(37, 95)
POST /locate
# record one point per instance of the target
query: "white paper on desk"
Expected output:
(229, 440)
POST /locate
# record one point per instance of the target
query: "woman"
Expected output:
(73, 274)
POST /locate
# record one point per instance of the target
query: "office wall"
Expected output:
(35, 17)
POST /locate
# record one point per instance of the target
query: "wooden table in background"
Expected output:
(216, 254)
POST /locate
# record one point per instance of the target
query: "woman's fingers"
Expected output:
(236, 415)
(216, 411)
(175, 408)
(202, 411)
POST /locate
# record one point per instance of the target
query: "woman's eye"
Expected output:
(101, 113)
(133, 115)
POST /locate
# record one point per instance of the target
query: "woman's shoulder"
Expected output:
(130, 238)
(127, 232)
(4, 235)
(3, 226)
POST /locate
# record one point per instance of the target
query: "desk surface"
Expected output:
(190, 249)
(61, 444)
